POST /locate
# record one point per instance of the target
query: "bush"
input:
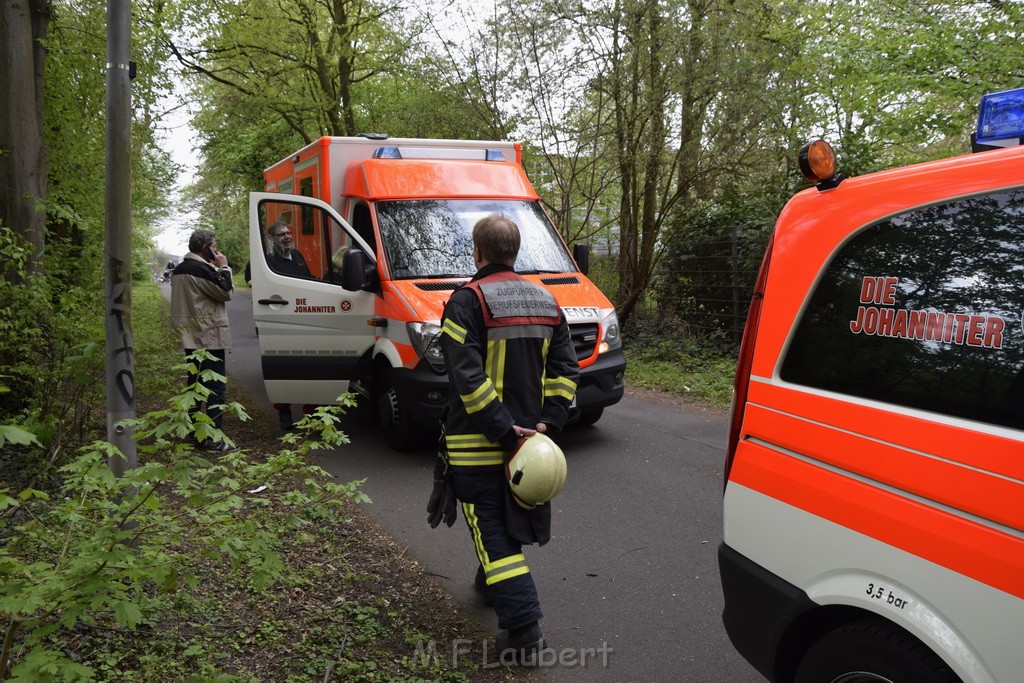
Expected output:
(50, 358)
(102, 551)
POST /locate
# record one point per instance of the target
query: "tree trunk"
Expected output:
(23, 157)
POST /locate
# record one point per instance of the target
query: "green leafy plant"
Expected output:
(102, 550)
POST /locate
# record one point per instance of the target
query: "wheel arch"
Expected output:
(812, 625)
(386, 354)
(807, 629)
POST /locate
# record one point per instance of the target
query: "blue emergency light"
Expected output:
(387, 152)
(1001, 117)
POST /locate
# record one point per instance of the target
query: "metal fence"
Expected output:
(700, 292)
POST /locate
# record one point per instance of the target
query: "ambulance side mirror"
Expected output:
(357, 272)
(581, 252)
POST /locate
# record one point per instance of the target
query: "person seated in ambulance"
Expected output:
(334, 269)
(284, 258)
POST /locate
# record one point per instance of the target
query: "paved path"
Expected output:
(632, 563)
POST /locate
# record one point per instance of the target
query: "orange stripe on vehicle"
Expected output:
(975, 447)
(974, 550)
(979, 493)
(407, 353)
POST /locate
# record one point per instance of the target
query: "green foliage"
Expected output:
(681, 367)
(75, 133)
(50, 357)
(102, 551)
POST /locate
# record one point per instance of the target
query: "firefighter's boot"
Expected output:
(520, 645)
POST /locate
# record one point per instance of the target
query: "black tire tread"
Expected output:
(877, 632)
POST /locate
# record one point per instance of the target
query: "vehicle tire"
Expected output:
(394, 415)
(589, 417)
(869, 651)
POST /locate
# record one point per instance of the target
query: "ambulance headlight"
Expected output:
(611, 333)
(426, 340)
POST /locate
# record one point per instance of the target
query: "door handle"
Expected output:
(273, 302)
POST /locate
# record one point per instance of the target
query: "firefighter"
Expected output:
(513, 372)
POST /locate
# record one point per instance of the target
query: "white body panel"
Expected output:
(314, 318)
(975, 628)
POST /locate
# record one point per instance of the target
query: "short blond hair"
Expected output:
(497, 238)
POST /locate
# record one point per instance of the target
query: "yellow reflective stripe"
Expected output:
(505, 561)
(473, 449)
(454, 331)
(496, 364)
(479, 399)
(469, 512)
(463, 441)
(476, 458)
(505, 568)
(560, 386)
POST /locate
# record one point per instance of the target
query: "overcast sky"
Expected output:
(176, 138)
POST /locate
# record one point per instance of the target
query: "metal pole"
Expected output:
(117, 252)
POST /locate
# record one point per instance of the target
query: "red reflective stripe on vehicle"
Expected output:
(980, 447)
(984, 494)
(741, 381)
(969, 548)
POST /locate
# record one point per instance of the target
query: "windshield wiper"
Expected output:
(538, 271)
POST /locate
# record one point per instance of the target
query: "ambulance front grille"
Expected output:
(584, 339)
(568, 280)
(438, 286)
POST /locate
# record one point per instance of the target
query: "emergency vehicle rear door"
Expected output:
(312, 332)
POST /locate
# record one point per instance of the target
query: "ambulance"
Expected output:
(379, 231)
(874, 478)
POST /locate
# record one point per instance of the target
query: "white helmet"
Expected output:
(536, 471)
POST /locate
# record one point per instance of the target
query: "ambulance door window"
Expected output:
(339, 242)
(924, 310)
(363, 225)
(306, 190)
(278, 225)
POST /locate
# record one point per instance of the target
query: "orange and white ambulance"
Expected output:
(874, 482)
(383, 228)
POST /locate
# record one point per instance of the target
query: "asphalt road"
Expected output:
(629, 582)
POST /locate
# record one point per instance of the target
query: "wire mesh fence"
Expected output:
(700, 292)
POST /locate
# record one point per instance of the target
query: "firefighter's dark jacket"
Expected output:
(511, 361)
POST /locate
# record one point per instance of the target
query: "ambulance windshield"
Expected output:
(434, 237)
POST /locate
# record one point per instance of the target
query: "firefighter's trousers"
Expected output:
(503, 572)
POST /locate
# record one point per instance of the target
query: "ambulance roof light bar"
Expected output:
(470, 153)
(1000, 120)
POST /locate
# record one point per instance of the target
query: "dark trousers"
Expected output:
(502, 571)
(217, 390)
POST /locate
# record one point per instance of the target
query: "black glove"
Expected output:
(441, 505)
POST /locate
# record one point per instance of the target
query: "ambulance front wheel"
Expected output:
(394, 414)
(872, 650)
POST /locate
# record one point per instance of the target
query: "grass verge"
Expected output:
(681, 368)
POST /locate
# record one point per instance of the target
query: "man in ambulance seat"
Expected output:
(284, 258)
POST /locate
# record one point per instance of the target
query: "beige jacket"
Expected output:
(198, 294)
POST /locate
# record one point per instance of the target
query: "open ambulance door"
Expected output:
(312, 331)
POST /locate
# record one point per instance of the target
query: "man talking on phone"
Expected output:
(200, 287)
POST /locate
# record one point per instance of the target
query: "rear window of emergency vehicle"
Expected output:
(924, 310)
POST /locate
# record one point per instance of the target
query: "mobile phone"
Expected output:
(208, 252)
